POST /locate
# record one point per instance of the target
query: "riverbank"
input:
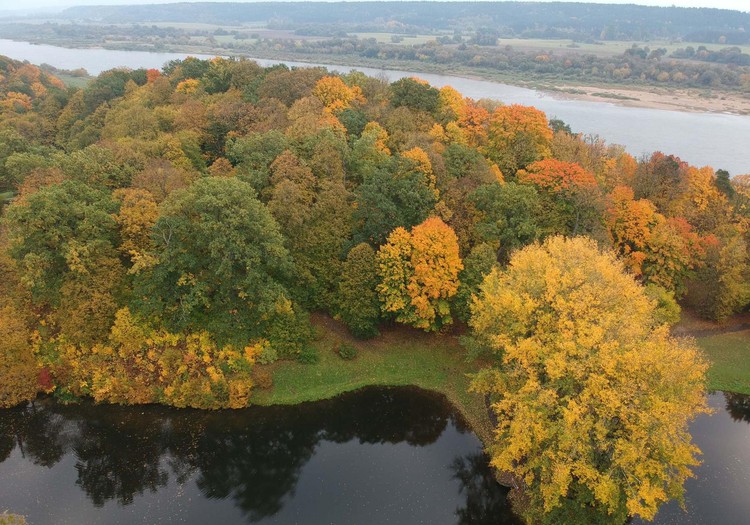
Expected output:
(400, 356)
(646, 96)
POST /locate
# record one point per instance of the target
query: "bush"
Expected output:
(308, 356)
(267, 355)
(347, 352)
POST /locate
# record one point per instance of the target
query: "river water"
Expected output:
(714, 139)
(399, 456)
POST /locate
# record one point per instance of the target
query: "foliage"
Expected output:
(357, 298)
(419, 274)
(517, 136)
(592, 399)
(141, 365)
(18, 368)
(308, 356)
(221, 264)
(347, 352)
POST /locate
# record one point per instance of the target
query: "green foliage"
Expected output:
(358, 302)
(253, 155)
(478, 264)
(12, 519)
(308, 356)
(347, 352)
(59, 234)
(414, 94)
(667, 310)
(511, 216)
(386, 201)
(221, 264)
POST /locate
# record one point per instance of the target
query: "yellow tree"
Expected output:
(335, 95)
(517, 136)
(419, 274)
(593, 398)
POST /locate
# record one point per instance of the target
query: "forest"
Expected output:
(166, 235)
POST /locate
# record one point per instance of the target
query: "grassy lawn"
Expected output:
(400, 356)
(729, 355)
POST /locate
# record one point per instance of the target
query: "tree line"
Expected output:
(166, 234)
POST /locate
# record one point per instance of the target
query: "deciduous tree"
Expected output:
(593, 400)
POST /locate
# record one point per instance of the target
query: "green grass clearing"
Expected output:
(729, 355)
(399, 357)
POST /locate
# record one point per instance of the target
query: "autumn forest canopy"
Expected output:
(166, 234)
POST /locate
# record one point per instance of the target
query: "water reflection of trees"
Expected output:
(254, 457)
(486, 502)
(738, 406)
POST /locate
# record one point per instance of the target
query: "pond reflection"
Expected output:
(375, 456)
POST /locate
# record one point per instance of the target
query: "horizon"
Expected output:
(52, 5)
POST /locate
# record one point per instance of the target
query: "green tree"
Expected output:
(358, 301)
(593, 399)
(221, 263)
(510, 215)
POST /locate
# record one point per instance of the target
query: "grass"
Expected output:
(729, 355)
(399, 357)
(404, 357)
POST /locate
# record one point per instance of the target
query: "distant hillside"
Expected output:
(575, 20)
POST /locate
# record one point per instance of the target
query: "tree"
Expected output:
(59, 232)
(357, 298)
(517, 136)
(510, 216)
(593, 399)
(18, 369)
(419, 274)
(386, 200)
(416, 94)
(221, 263)
(574, 203)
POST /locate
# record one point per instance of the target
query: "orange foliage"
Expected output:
(419, 273)
(556, 176)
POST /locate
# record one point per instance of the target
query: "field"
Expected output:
(729, 355)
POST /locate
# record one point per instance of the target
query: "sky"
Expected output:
(740, 5)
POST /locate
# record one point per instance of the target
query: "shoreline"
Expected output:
(670, 98)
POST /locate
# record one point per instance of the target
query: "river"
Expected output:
(714, 139)
(400, 456)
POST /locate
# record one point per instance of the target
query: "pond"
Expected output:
(714, 139)
(396, 456)
(400, 456)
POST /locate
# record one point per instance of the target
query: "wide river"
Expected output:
(397, 456)
(714, 139)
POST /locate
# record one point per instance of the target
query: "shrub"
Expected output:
(347, 352)
(308, 356)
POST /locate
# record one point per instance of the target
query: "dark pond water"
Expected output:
(378, 456)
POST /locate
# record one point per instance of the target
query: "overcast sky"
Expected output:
(741, 5)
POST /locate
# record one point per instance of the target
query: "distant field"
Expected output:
(386, 38)
(603, 48)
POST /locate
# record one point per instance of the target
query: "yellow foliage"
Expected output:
(419, 274)
(142, 365)
(335, 95)
(591, 397)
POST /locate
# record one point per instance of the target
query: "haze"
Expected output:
(739, 5)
